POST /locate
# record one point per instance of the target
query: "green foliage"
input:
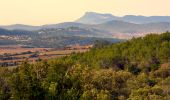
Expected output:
(137, 69)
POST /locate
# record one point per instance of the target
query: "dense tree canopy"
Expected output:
(137, 69)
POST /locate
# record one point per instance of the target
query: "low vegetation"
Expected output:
(11, 56)
(137, 69)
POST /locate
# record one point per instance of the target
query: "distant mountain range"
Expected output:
(105, 25)
(97, 18)
(35, 28)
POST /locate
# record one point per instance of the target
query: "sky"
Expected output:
(39, 12)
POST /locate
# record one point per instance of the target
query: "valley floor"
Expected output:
(12, 55)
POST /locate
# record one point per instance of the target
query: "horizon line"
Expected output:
(137, 15)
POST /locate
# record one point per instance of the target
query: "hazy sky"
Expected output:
(38, 12)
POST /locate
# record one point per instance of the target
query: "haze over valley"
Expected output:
(84, 31)
(93, 24)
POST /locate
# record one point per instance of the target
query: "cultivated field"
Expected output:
(13, 55)
(13, 49)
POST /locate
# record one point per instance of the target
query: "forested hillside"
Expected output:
(53, 38)
(138, 69)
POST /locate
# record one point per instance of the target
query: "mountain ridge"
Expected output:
(87, 18)
(107, 25)
(93, 18)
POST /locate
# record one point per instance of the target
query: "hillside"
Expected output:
(15, 32)
(129, 30)
(53, 38)
(110, 29)
(137, 69)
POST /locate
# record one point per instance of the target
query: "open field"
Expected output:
(13, 55)
(13, 49)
